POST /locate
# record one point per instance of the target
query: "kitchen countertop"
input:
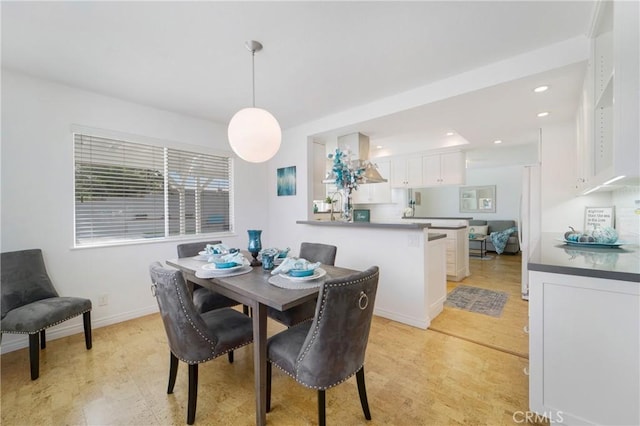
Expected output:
(448, 227)
(436, 217)
(432, 236)
(364, 224)
(554, 256)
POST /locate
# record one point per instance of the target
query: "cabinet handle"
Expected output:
(526, 329)
(525, 371)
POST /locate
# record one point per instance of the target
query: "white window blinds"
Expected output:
(128, 191)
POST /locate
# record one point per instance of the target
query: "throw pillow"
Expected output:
(478, 231)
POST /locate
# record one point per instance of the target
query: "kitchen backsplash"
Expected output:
(627, 203)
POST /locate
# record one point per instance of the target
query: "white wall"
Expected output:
(37, 192)
(445, 201)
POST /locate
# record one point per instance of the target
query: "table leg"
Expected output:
(260, 361)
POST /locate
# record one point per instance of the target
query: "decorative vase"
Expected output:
(346, 209)
(255, 245)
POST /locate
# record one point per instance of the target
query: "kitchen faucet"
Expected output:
(332, 201)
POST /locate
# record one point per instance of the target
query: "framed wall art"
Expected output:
(598, 216)
(286, 180)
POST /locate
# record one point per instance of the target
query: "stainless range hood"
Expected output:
(358, 144)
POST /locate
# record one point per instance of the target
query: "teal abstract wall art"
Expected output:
(286, 179)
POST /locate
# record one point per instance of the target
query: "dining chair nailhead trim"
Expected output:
(317, 387)
(327, 287)
(214, 354)
(44, 328)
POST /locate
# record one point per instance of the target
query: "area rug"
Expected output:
(479, 300)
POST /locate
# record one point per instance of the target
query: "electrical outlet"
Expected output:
(103, 300)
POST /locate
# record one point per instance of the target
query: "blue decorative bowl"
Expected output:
(225, 265)
(301, 272)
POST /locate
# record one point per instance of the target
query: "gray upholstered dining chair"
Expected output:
(30, 303)
(326, 352)
(193, 337)
(313, 252)
(205, 299)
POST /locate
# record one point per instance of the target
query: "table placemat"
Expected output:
(283, 282)
(201, 273)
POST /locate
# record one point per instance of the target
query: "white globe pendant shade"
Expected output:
(254, 134)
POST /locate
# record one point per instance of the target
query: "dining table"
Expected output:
(254, 290)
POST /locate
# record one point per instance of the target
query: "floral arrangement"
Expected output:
(346, 177)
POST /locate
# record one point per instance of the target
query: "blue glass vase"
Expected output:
(255, 245)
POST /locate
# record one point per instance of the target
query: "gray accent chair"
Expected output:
(205, 299)
(313, 252)
(194, 338)
(30, 303)
(326, 352)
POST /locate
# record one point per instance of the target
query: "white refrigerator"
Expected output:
(529, 223)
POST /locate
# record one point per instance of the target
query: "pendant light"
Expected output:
(254, 133)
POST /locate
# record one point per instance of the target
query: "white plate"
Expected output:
(203, 253)
(319, 272)
(212, 267)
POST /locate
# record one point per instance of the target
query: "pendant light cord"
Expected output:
(253, 76)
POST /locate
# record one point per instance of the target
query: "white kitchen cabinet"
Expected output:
(406, 172)
(375, 193)
(584, 339)
(615, 75)
(443, 169)
(584, 135)
(457, 252)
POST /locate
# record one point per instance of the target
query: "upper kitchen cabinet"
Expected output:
(406, 172)
(375, 193)
(443, 169)
(614, 147)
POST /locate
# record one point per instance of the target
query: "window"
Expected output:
(128, 191)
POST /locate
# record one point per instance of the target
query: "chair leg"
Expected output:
(268, 386)
(322, 418)
(230, 356)
(173, 371)
(362, 391)
(34, 355)
(193, 393)
(43, 340)
(86, 319)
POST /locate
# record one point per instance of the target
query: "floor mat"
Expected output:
(479, 300)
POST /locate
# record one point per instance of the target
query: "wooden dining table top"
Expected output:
(254, 285)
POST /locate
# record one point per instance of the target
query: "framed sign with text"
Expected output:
(599, 216)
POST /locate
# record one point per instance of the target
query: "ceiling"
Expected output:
(319, 58)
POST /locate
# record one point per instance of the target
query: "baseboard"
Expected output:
(437, 307)
(423, 324)
(13, 342)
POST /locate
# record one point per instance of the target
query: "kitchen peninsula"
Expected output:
(456, 230)
(412, 260)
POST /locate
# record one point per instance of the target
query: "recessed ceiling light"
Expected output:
(541, 89)
(543, 114)
(497, 141)
(450, 133)
(378, 146)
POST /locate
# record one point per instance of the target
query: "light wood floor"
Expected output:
(414, 377)
(501, 273)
